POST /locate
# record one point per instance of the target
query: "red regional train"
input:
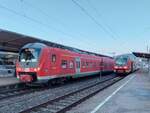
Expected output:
(125, 64)
(40, 63)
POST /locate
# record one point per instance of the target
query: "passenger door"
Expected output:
(77, 65)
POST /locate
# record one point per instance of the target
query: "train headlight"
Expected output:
(116, 67)
(125, 67)
(38, 69)
(35, 69)
(18, 69)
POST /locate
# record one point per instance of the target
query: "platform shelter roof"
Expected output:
(142, 55)
(12, 42)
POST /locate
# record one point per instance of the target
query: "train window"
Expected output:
(71, 64)
(53, 58)
(64, 64)
(29, 55)
(121, 61)
(83, 64)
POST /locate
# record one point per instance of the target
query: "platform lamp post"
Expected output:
(148, 65)
(101, 68)
(148, 51)
(148, 60)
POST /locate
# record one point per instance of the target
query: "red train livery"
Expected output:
(125, 63)
(39, 63)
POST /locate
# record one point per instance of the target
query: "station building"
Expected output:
(10, 44)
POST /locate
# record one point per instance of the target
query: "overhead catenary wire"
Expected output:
(106, 24)
(46, 25)
(39, 10)
(100, 17)
(37, 21)
(106, 27)
(32, 19)
(58, 21)
(93, 19)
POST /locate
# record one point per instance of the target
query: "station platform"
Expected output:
(8, 81)
(130, 95)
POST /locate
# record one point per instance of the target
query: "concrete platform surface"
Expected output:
(8, 80)
(130, 95)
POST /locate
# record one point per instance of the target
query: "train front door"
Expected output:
(77, 60)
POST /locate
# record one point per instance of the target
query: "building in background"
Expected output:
(7, 63)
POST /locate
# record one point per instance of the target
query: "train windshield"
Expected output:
(121, 61)
(29, 55)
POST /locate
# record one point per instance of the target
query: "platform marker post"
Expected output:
(100, 75)
(148, 65)
(101, 69)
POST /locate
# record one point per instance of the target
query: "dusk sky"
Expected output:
(101, 26)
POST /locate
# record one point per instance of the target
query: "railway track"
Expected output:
(5, 94)
(20, 89)
(11, 86)
(63, 103)
(10, 90)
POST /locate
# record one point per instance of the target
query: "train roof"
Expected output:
(34, 45)
(128, 55)
(13, 42)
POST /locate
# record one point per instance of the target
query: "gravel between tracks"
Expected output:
(18, 104)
